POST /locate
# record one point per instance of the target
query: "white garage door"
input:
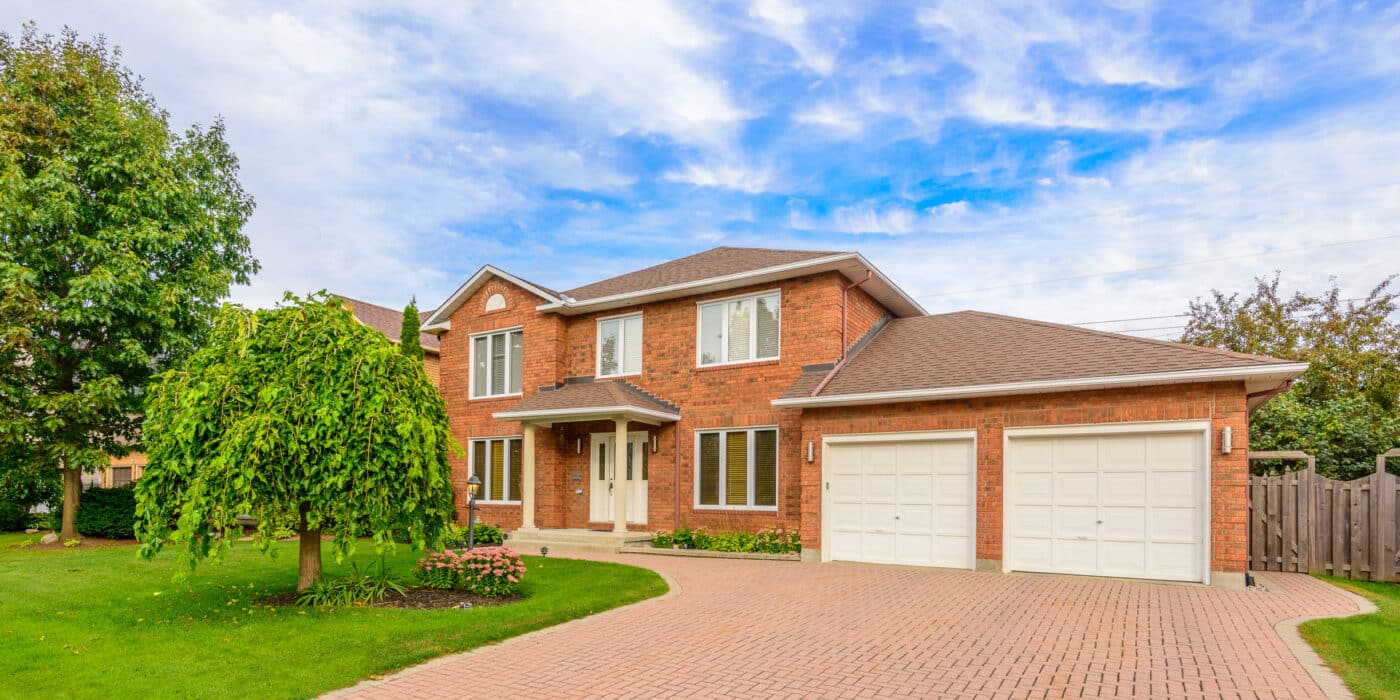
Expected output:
(1127, 505)
(901, 501)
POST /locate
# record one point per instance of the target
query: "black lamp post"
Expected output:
(473, 485)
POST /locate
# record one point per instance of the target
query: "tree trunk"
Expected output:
(72, 492)
(309, 562)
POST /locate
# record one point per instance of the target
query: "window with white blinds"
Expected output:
(620, 346)
(740, 330)
(496, 363)
(496, 462)
(737, 468)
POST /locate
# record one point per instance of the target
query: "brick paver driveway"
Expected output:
(777, 629)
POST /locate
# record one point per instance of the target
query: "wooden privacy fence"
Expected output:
(1303, 521)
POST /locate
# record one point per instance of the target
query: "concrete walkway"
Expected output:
(774, 629)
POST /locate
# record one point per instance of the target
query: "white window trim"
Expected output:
(505, 471)
(622, 344)
(724, 330)
(471, 360)
(723, 458)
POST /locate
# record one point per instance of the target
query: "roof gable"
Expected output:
(715, 262)
(439, 318)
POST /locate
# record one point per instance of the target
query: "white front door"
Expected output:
(603, 481)
(897, 499)
(1116, 504)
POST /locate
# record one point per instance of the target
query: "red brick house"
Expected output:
(804, 389)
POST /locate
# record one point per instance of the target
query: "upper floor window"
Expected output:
(496, 363)
(742, 329)
(620, 346)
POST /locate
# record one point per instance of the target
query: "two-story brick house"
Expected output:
(745, 388)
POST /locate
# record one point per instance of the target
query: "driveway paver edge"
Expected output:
(673, 589)
(1322, 674)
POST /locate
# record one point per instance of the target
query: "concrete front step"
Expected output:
(530, 541)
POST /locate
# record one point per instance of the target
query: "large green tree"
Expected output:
(302, 412)
(118, 238)
(1343, 409)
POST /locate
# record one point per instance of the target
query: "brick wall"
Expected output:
(710, 397)
(1224, 404)
(432, 365)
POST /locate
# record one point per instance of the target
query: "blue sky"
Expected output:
(999, 156)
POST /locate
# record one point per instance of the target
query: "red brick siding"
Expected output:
(711, 397)
(432, 365)
(862, 312)
(1221, 403)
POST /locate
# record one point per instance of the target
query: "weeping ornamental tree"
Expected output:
(296, 413)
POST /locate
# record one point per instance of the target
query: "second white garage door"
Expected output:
(1127, 504)
(900, 500)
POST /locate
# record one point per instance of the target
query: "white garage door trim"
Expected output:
(909, 436)
(1097, 429)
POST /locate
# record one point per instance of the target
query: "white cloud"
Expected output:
(788, 22)
(731, 176)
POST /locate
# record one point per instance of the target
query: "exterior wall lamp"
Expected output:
(811, 451)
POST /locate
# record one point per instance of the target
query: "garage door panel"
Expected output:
(1126, 453)
(1171, 560)
(1076, 521)
(1076, 488)
(1076, 453)
(1123, 488)
(1076, 556)
(1122, 504)
(1174, 524)
(916, 488)
(1174, 489)
(1033, 488)
(1180, 450)
(1123, 558)
(879, 487)
(953, 489)
(1124, 523)
(905, 502)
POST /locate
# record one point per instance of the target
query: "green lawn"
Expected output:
(102, 623)
(1365, 649)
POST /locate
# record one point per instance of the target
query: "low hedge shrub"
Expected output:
(109, 513)
(767, 541)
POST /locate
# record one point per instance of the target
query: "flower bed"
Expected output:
(485, 571)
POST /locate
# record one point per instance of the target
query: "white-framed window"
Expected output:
(737, 468)
(496, 363)
(620, 345)
(739, 329)
(496, 462)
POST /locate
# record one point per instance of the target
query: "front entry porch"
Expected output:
(572, 540)
(602, 488)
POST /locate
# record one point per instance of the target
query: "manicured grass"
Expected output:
(101, 623)
(1365, 649)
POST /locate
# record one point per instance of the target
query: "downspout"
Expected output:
(676, 485)
(845, 296)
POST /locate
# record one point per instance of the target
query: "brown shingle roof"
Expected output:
(716, 262)
(388, 321)
(582, 395)
(973, 348)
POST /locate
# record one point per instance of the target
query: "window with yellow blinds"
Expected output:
(737, 468)
(497, 462)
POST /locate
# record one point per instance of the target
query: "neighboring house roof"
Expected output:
(585, 399)
(388, 321)
(712, 270)
(971, 353)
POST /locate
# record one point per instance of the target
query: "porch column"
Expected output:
(620, 477)
(527, 477)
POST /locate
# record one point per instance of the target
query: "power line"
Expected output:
(1122, 320)
(1159, 267)
(1142, 330)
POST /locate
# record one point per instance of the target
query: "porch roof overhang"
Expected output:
(583, 399)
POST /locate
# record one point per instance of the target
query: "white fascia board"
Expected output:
(439, 319)
(1280, 371)
(575, 413)
(767, 274)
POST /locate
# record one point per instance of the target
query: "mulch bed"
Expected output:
(415, 598)
(87, 543)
